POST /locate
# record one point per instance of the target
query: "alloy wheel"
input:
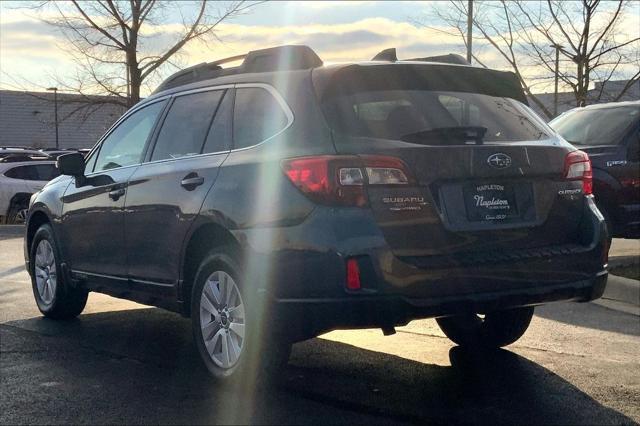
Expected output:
(222, 319)
(21, 216)
(45, 272)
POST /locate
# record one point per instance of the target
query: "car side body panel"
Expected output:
(159, 212)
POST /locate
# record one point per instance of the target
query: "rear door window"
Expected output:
(42, 172)
(46, 171)
(257, 117)
(186, 125)
(219, 136)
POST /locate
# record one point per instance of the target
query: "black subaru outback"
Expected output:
(280, 199)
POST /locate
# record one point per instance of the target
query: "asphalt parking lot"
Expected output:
(121, 362)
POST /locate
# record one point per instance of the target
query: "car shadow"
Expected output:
(591, 315)
(140, 366)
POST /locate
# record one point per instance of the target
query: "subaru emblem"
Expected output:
(499, 161)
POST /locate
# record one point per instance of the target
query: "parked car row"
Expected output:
(23, 172)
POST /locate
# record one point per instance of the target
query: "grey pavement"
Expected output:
(121, 362)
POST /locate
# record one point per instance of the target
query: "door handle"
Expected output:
(116, 194)
(191, 181)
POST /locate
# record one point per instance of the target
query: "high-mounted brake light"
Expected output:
(577, 166)
(342, 179)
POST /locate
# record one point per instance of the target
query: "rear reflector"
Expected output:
(342, 179)
(353, 275)
(577, 166)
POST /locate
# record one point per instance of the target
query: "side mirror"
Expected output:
(71, 164)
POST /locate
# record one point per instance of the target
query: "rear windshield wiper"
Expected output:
(447, 136)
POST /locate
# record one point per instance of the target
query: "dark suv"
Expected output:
(280, 199)
(610, 134)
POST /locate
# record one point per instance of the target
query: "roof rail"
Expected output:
(451, 58)
(272, 59)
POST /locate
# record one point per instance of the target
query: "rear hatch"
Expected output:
(484, 172)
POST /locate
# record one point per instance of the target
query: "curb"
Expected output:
(11, 230)
(623, 290)
(622, 261)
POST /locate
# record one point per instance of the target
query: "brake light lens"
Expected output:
(577, 166)
(342, 179)
(632, 183)
(353, 275)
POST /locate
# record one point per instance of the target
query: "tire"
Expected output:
(253, 355)
(496, 329)
(55, 297)
(17, 213)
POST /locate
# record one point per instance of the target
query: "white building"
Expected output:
(28, 119)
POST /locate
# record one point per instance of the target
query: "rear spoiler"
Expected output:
(391, 56)
(356, 78)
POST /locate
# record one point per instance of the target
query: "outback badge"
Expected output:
(499, 161)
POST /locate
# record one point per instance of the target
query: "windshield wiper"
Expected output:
(447, 136)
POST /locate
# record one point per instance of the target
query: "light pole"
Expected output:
(555, 91)
(469, 28)
(55, 106)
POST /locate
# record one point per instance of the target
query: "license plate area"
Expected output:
(460, 213)
(491, 202)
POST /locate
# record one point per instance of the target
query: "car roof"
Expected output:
(279, 65)
(286, 79)
(18, 150)
(609, 105)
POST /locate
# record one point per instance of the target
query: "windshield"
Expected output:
(433, 117)
(596, 126)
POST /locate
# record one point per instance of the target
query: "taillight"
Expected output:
(342, 179)
(577, 166)
(633, 183)
(353, 275)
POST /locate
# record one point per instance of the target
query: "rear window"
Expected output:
(39, 172)
(433, 117)
(21, 172)
(257, 117)
(596, 126)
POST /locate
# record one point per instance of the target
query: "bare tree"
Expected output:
(526, 34)
(120, 46)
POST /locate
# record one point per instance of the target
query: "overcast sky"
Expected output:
(30, 51)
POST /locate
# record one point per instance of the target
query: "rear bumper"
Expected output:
(304, 318)
(304, 282)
